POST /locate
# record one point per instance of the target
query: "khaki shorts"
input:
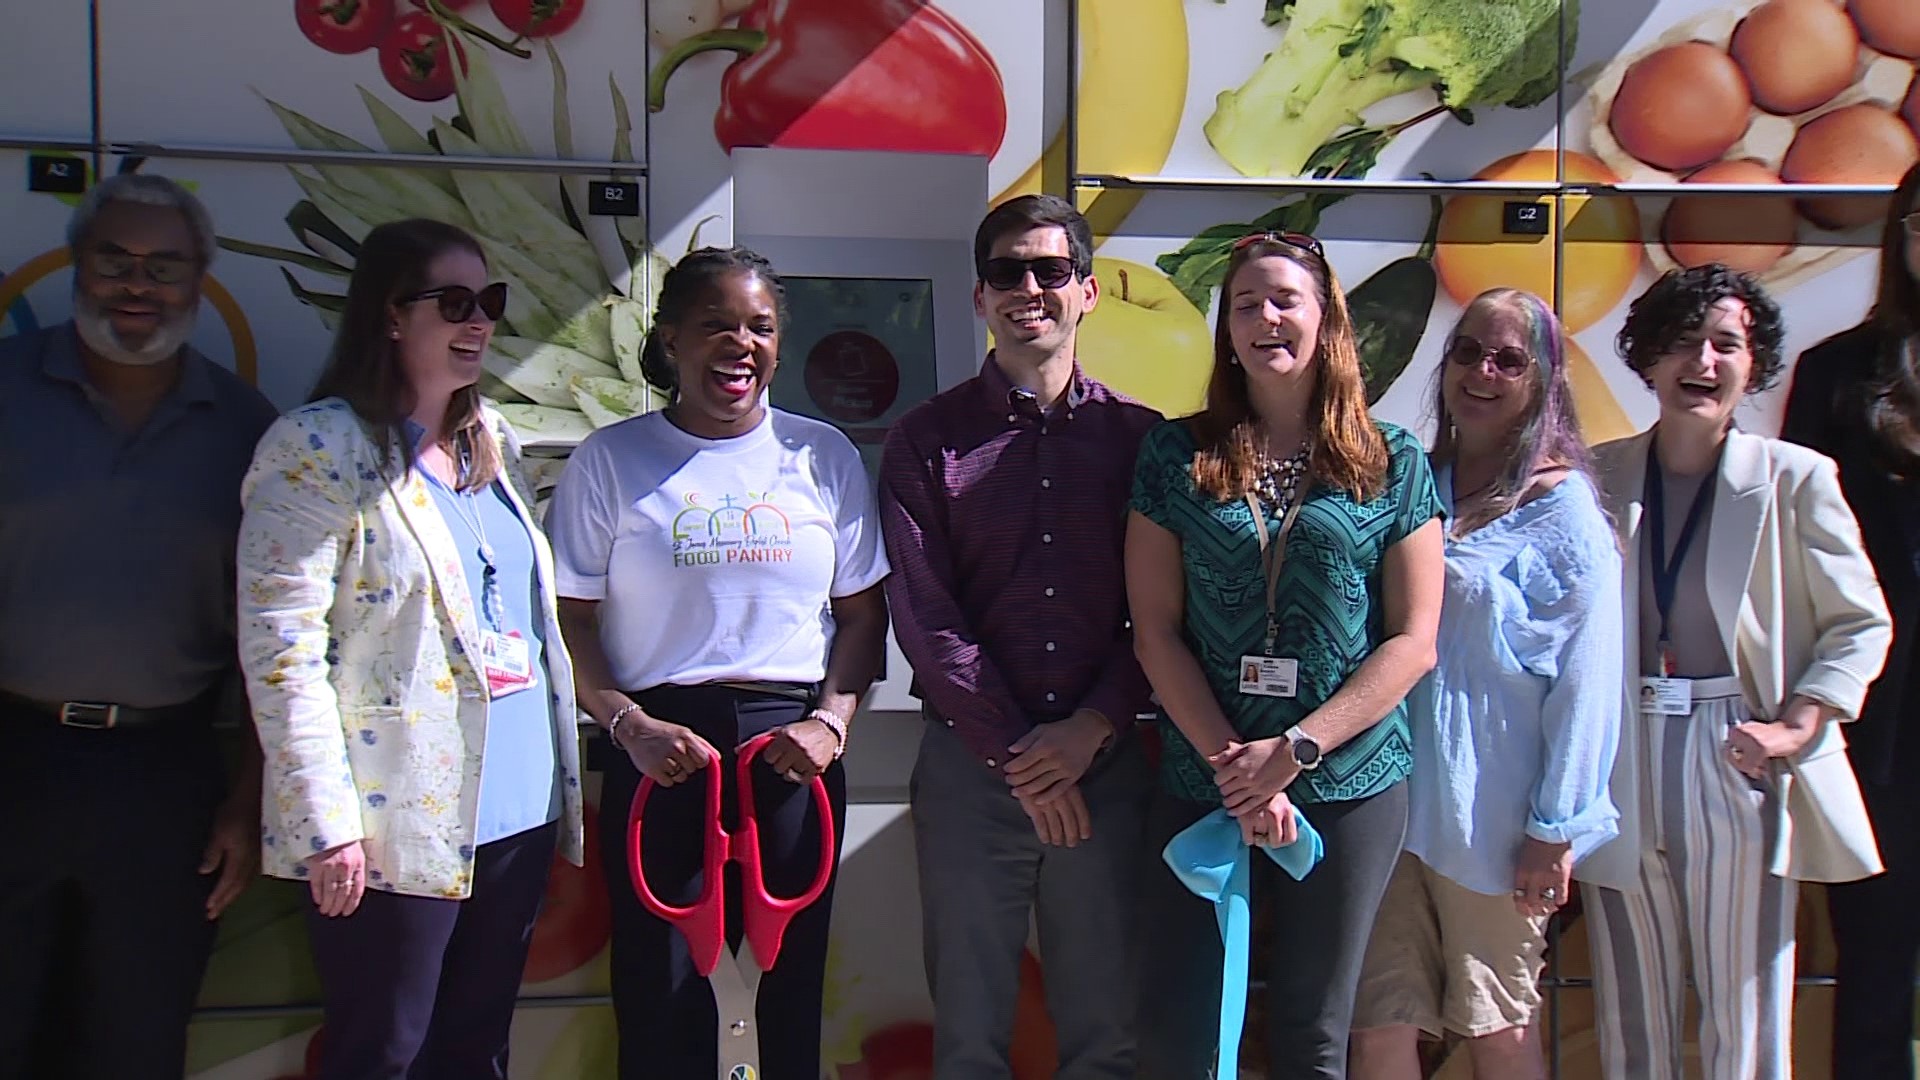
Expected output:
(1444, 958)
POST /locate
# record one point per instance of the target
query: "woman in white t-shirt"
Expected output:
(720, 566)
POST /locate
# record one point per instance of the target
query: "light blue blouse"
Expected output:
(1516, 727)
(519, 765)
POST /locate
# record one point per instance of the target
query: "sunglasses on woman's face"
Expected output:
(1049, 272)
(1296, 239)
(1510, 361)
(457, 301)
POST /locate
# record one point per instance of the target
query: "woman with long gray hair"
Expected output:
(1515, 729)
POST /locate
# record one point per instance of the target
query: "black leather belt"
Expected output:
(103, 716)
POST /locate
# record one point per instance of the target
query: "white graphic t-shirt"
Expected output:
(715, 558)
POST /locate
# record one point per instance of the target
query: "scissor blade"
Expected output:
(736, 989)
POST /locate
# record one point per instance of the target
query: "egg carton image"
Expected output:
(1878, 80)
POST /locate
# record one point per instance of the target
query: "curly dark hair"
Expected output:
(684, 285)
(1677, 305)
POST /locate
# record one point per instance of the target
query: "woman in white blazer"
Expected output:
(407, 673)
(1754, 626)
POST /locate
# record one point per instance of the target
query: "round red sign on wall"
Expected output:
(852, 376)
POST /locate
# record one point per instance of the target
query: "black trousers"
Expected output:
(1321, 926)
(102, 905)
(665, 1010)
(421, 988)
(1878, 938)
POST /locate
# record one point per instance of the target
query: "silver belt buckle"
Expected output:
(89, 715)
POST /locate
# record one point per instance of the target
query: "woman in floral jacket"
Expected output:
(413, 694)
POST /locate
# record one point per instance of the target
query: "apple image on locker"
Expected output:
(1146, 340)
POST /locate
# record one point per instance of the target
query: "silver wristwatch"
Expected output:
(1306, 752)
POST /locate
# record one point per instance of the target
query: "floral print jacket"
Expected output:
(356, 629)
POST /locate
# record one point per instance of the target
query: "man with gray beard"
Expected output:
(121, 454)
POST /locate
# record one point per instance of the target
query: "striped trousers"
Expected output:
(1705, 899)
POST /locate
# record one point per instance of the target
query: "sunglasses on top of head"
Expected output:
(1510, 361)
(1049, 272)
(457, 302)
(1292, 239)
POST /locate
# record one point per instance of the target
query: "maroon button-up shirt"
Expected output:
(1005, 527)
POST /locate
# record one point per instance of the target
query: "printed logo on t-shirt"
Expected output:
(747, 528)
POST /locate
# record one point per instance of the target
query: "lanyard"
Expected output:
(1273, 550)
(1666, 571)
(492, 606)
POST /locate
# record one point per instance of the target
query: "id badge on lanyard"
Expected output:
(1665, 694)
(1267, 675)
(506, 658)
(507, 662)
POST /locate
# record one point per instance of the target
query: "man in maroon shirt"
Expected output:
(1004, 502)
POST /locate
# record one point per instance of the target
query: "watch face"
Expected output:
(1306, 752)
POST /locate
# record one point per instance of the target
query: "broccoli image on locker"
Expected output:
(1339, 57)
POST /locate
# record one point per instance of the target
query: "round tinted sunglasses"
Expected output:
(1049, 272)
(1510, 361)
(457, 302)
(160, 268)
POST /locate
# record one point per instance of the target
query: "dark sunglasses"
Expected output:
(457, 301)
(1049, 272)
(1296, 239)
(161, 269)
(1510, 361)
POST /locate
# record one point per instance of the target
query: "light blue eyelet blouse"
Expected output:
(1516, 728)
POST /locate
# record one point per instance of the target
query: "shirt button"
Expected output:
(1046, 538)
(1049, 590)
(1011, 418)
(992, 763)
(1050, 646)
(1045, 483)
(1051, 696)
(949, 723)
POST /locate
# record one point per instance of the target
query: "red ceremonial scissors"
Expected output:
(703, 923)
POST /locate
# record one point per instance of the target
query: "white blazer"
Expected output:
(1799, 612)
(356, 625)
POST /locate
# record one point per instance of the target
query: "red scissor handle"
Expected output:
(703, 923)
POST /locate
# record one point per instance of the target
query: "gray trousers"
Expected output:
(983, 871)
(1312, 965)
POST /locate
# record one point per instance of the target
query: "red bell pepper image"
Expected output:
(898, 75)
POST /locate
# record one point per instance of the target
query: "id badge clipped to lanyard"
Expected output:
(1267, 675)
(506, 658)
(1666, 694)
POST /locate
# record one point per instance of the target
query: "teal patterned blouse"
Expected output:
(1329, 606)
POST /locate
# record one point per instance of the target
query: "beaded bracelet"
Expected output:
(835, 725)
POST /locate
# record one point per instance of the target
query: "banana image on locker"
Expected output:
(1133, 62)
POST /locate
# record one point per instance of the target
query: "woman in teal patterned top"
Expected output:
(1284, 571)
